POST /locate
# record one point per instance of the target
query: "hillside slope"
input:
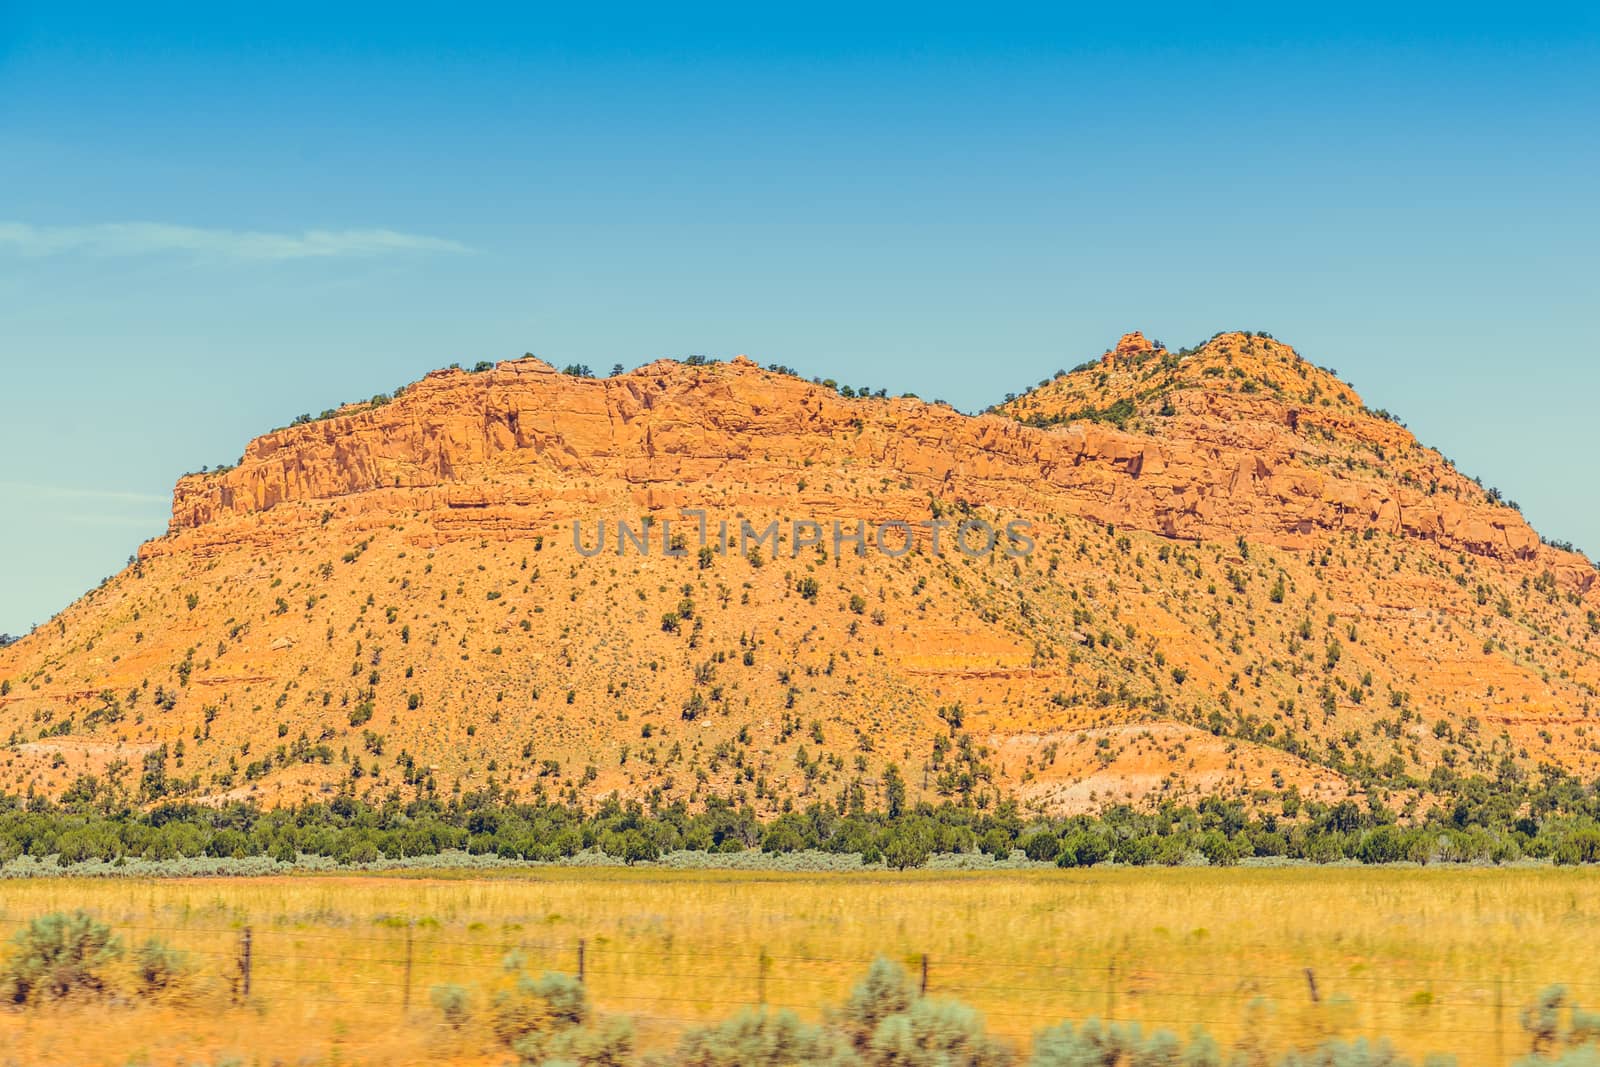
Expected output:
(1241, 581)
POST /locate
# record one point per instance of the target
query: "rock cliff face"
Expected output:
(1243, 581)
(1242, 436)
(1228, 458)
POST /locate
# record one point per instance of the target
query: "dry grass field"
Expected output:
(1434, 959)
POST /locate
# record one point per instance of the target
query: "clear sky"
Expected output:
(209, 225)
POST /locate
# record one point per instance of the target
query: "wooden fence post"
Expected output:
(581, 968)
(761, 977)
(1311, 980)
(924, 974)
(244, 964)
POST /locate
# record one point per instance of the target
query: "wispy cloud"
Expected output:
(65, 492)
(137, 522)
(148, 238)
(89, 507)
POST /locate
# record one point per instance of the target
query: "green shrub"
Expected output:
(1097, 1043)
(1357, 1053)
(1083, 849)
(906, 847)
(160, 969)
(1579, 846)
(757, 1039)
(57, 956)
(1386, 844)
(1137, 851)
(1548, 1032)
(934, 1033)
(453, 1003)
(608, 1044)
(1041, 847)
(888, 1022)
(996, 844)
(886, 990)
(546, 1021)
(532, 1007)
(1218, 850)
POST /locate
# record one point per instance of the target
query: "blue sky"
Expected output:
(208, 227)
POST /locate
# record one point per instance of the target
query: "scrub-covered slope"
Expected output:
(1223, 576)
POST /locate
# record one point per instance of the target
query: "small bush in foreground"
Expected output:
(759, 1039)
(547, 1020)
(58, 956)
(159, 969)
(1549, 1033)
(453, 1003)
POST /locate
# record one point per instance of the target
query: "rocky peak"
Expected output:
(1130, 345)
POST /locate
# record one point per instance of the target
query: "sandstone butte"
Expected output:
(1244, 582)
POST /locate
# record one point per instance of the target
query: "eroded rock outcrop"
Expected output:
(1220, 461)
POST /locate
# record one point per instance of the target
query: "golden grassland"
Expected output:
(1435, 959)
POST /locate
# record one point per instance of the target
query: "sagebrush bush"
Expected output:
(1126, 1044)
(761, 1039)
(885, 991)
(566, 999)
(888, 1022)
(159, 969)
(453, 1003)
(1357, 1053)
(57, 956)
(934, 1033)
(608, 1043)
(1549, 1032)
(547, 1021)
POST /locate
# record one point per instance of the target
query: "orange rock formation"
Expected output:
(1243, 580)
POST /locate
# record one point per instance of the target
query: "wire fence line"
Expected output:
(698, 949)
(681, 982)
